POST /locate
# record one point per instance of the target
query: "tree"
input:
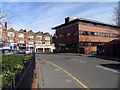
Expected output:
(117, 14)
(3, 19)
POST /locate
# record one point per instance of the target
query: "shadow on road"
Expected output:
(113, 66)
(106, 58)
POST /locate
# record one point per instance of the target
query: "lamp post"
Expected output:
(34, 47)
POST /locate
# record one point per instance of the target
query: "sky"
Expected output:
(42, 16)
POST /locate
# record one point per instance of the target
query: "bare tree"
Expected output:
(3, 21)
(117, 14)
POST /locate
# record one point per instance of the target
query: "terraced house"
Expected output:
(23, 40)
(82, 35)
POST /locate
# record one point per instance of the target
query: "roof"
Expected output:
(115, 41)
(47, 34)
(86, 20)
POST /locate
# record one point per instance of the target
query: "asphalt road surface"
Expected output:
(78, 71)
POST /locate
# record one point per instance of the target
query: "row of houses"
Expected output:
(23, 40)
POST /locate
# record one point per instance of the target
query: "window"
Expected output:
(30, 40)
(47, 43)
(95, 33)
(11, 34)
(21, 41)
(47, 38)
(39, 38)
(30, 36)
(82, 32)
(86, 33)
(11, 40)
(21, 35)
(89, 43)
(92, 33)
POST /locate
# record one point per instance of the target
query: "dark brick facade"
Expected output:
(82, 35)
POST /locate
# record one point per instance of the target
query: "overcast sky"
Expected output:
(42, 16)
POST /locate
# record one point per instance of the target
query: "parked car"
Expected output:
(27, 52)
(21, 52)
(6, 51)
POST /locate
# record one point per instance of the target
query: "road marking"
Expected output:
(68, 80)
(57, 69)
(74, 78)
(75, 59)
(79, 61)
(107, 69)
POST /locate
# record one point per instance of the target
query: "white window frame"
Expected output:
(11, 34)
(40, 38)
(21, 35)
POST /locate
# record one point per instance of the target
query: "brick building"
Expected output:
(23, 40)
(83, 35)
(110, 49)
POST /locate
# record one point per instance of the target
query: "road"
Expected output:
(78, 71)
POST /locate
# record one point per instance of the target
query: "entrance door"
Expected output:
(47, 50)
(40, 50)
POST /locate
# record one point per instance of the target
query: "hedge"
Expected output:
(11, 65)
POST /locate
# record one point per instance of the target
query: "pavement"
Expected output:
(77, 71)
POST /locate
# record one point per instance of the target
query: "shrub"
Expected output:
(11, 65)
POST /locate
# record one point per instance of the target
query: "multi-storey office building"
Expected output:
(83, 35)
(23, 40)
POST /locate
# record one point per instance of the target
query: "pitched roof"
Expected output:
(39, 33)
(22, 31)
(11, 30)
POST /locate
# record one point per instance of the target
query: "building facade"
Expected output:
(23, 40)
(110, 49)
(83, 35)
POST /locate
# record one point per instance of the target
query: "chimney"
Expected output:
(6, 25)
(68, 19)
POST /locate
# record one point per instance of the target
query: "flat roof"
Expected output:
(87, 21)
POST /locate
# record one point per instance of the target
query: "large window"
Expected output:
(87, 33)
(89, 43)
(39, 38)
(11, 34)
(47, 38)
(21, 35)
(10, 39)
(21, 41)
(30, 36)
(31, 41)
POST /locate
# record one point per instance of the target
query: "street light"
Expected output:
(34, 47)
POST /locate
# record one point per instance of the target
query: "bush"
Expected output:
(11, 65)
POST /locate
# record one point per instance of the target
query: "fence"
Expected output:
(25, 77)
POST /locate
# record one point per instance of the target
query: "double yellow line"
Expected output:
(78, 81)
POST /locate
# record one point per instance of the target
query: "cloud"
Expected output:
(42, 16)
(100, 11)
(61, 0)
